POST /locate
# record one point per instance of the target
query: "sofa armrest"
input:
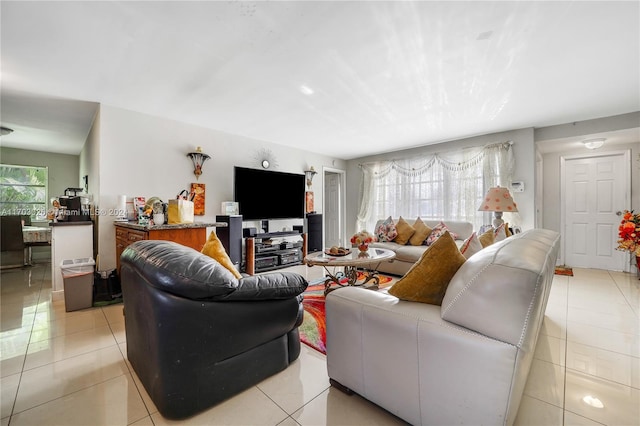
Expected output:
(502, 290)
(278, 285)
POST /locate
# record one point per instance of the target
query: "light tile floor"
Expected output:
(60, 368)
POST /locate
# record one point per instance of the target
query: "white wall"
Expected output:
(524, 152)
(143, 155)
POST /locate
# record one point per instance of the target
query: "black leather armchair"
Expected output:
(196, 335)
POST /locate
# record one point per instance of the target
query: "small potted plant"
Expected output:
(362, 240)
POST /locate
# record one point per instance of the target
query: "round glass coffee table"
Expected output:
(352, 263)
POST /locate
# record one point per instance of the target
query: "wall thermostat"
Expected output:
(517, 186)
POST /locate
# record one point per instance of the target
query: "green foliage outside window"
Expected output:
(23, 191)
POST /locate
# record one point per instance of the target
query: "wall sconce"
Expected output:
(594, 143)
(198, 157)
(309, 174)
(498, 200)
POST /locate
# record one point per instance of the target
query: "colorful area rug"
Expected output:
(313, 331)
(564, 270)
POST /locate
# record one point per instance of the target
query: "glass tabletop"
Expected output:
(355, 257)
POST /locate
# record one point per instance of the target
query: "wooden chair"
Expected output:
(11, 238)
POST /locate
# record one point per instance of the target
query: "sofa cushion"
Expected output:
(386, 230)
(471, 246)
(427, 280)
(422, 231)
(409, 253)
(389, 245)
(405, 231)
(214, 249)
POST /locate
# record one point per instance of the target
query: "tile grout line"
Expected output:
(566, 347)
(24, 360)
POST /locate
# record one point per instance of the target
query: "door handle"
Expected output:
(618, 213)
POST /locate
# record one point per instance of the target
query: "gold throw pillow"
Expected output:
(428, 278)
(421, 234)
(487, 238)
(507, 230)
(214, 249)
(405, 231)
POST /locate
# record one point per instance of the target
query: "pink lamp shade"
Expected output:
(498, 200)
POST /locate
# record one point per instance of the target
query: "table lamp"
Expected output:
(498, 200)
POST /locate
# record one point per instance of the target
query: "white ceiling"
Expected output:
(384, 75)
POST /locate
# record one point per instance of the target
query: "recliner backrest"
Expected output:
(179, 270)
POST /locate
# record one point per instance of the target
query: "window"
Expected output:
(440, 186)
(23, 191)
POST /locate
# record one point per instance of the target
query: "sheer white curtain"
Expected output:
(444, 186)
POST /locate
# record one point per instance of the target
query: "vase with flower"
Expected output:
(362, 240)
(629, 235)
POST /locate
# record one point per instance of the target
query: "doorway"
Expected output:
(595, 189)
(334, 182)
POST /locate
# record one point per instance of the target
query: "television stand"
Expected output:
(262, 257)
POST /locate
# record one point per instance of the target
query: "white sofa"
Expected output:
(465, 362)
(407, 255)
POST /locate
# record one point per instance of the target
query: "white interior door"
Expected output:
(595, 188)
(333, 209)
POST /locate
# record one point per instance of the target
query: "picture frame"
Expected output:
(198, 193)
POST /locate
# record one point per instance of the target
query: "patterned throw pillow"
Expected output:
(471, 246)
(405, 231)
(421, 234)
(428, 278)
(386, 231)
(437, 232)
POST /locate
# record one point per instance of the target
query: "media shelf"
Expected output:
(262, 256)
(269, 235)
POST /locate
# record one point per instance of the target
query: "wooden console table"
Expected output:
(192, 235)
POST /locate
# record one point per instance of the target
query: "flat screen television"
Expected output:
(266, 194)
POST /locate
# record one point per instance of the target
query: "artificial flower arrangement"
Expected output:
(629, 232)
(362, 239)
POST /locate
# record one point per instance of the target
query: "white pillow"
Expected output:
(500, 233)
(471, 246)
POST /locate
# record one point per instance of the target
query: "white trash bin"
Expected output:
(78, 283)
